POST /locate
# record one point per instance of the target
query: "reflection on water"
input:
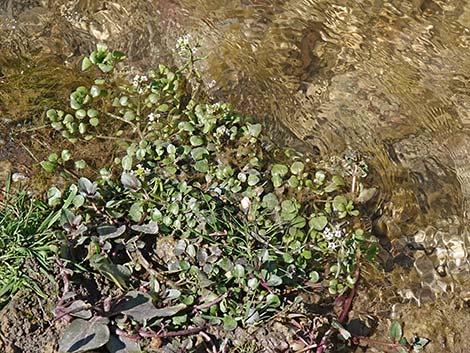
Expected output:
(387, 78)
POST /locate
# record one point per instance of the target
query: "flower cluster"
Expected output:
(333, 237)
(140, 170)
(184, 45)
(138, 79)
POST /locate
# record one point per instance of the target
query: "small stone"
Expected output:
(245, 203)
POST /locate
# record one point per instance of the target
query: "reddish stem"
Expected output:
(349, 299)
(122, 333)
(342, 316)
(187, 332)
(213, 302)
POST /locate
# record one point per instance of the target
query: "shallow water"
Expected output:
(389, 79)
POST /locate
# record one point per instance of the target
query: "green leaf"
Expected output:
(136, 211)
(66, 155)
(338, 180)
(53, 157)
(86, 63)
(274, 280)
(273, 300)
(109, 231)
(366, 195)
(78, 201)
(287, 258)
(112, 271)
(276, 180)
(149, 228)
(202, 166)
(52, 114)
(101, 47)
(130, 182)
(68, 119)
(163, 108)
(179, 320)
(123, 101)
(126, 163)
(87, 188)
(80, 114)
(314, 277)
(339, 203)
(254, 130)
(118, 55)
(196, 141)
(230, 323)
(82, 128)
(80, 164)
(57, 125)
(279, 170)
(270, 201)
(85, 335)
(169, 311)
(395, 331)
(293, 181)
(105, 67)
(253, 179)
(94, 121)
(199, 153)
(48, 166)
(129, 115)
(92, 113)
(153, 98)
(238, 271)
(297, 168)
(54, 195)
(288, 206)
(186, 126)
(318, 223)
(74, 104)
(95, 91)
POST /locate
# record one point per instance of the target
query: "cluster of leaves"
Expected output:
(27, 244)
(89, 331)
(205, 214)
(401, 344)
(55, 161)
(88, 104)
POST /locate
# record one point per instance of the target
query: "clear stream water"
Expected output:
(389, 79)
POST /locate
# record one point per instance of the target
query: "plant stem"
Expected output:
(349, 299)
(213, 302)
(308, 348)
(187, 332)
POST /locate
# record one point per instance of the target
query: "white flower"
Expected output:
(328, 233)
(333, 233)
(338, 233)
(332, 245)
(151, 117)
